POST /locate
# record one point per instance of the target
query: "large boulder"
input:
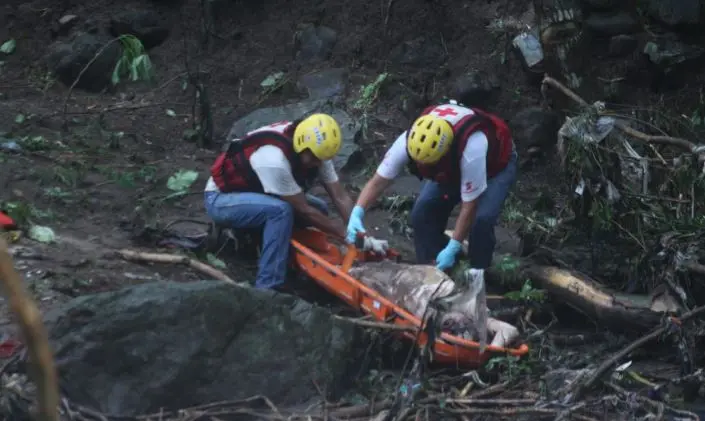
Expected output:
(264, 116)
(97, 53)
(172, 345)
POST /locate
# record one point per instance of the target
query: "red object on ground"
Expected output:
(6, 222)
(8, 347)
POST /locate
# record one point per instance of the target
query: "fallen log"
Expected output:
(139, 256)
(624, 313)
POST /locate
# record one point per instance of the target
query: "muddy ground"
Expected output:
(97, 173)
(96, 192)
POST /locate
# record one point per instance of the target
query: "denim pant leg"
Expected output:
(429, 218)
(489, 207)
(317, 203)
(252, 210)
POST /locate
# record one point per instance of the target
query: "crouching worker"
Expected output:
(465, 156)
(260, 182)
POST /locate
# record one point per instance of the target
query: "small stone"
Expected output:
(67, 19)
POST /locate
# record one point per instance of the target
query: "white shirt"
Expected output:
(473, 164)
(274, 172)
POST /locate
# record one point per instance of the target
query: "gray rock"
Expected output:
(421, 51)
(612, 23)
(622, 45)
(676, 12)
(67, 60)
(146, 25)
(264, 116)
(316, 43)
(172, 345)
(324, 84)
(475, 88)
(535, 126)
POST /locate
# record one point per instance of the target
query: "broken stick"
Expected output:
(665, 140)
(35, 336)
(138, 256)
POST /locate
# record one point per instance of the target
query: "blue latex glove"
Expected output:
(355, 223)
(446, 258)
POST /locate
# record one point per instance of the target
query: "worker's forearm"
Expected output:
(372, 190)
(463, 224)
(345, 205)
(321, 221)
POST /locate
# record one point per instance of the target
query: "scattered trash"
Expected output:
(42, 234)
(8, 47)
(528, 47)
(182, 180)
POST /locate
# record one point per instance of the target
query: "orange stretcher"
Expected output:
(324, 262)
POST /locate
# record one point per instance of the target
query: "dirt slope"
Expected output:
(102, 179)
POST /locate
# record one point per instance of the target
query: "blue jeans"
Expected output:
(430, 214)
(256, 210)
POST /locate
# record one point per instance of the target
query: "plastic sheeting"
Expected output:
(423, 290)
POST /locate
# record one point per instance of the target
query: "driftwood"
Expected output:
(619, 312)
(35, 335)
(138, 256)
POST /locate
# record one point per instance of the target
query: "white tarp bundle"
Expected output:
(413, 286)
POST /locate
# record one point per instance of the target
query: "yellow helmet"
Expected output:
(429, 139)
(321, 134)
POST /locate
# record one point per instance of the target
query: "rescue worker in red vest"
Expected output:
(260, 181)
(464, 156)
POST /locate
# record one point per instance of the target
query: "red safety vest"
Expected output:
(465, 121)
(232, 171)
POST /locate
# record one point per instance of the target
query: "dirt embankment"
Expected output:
(96, 157)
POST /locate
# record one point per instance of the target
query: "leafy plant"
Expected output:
(134, 62)
(527, 293)
(369, 92)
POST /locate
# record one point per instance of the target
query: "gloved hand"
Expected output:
(355, 224)
(446, 257)
(377, 246)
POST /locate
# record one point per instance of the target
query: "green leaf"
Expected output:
(182, 180)
(19, 118)
(8, 47)
(215, 262)
(171, 113)
(42, 234)
(272, 80)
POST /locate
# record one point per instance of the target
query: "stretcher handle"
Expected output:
(353, 249)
